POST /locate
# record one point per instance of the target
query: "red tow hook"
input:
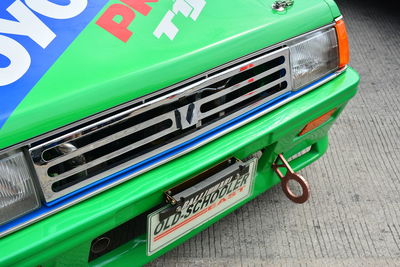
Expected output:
(291, 175)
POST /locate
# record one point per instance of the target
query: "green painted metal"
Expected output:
(334, 8)
(98, 71)
(64, 238)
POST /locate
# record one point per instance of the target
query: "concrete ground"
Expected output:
(353, 216)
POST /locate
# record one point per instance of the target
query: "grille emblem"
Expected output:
(187, 116)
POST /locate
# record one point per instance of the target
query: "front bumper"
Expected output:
(64, 239)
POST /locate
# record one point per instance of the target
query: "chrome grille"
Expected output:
(81, 157)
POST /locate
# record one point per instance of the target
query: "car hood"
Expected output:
(74, 60)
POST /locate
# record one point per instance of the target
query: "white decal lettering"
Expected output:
(186, 8)
(52, 10)
(167, 27)
(183, 7)
(198, 6)
(27, 24)
(19, 58)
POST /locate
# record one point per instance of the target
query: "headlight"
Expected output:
(17, 192)
(313, 56)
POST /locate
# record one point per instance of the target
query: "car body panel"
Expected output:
(98, 71)
(64, 239)
(334, 8)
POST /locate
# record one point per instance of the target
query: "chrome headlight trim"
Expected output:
(313, 56)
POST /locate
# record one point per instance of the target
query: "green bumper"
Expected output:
(64, 239)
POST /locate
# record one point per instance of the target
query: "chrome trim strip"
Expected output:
(339, 18)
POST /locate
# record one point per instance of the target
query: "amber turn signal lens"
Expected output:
(343, 42)
(317, 122)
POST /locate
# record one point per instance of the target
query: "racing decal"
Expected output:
(33, 35)
(126, 13)
(186, 8)
(118, 17)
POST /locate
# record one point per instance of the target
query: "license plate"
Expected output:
(204, 204)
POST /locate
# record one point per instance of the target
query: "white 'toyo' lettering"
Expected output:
(55, 11)
(20, 60)
(27, 24)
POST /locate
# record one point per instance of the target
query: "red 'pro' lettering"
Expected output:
(118, 29)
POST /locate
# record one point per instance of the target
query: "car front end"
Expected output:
(187, 101)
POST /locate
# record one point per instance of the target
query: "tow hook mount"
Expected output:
(281, 162)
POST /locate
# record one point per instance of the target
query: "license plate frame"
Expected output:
(231, 189)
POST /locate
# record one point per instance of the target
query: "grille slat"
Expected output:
(229, 72)
(240, 85)
(110, 138)
(243, 97)
(74, 160)
(109, 156)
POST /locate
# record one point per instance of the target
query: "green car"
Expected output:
(129, 126)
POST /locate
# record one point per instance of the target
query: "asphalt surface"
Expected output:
(353, 216)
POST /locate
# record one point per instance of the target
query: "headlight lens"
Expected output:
(313, 56)
(17, 192)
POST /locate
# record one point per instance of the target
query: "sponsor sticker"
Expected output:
(230, 191)
(33, 35)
